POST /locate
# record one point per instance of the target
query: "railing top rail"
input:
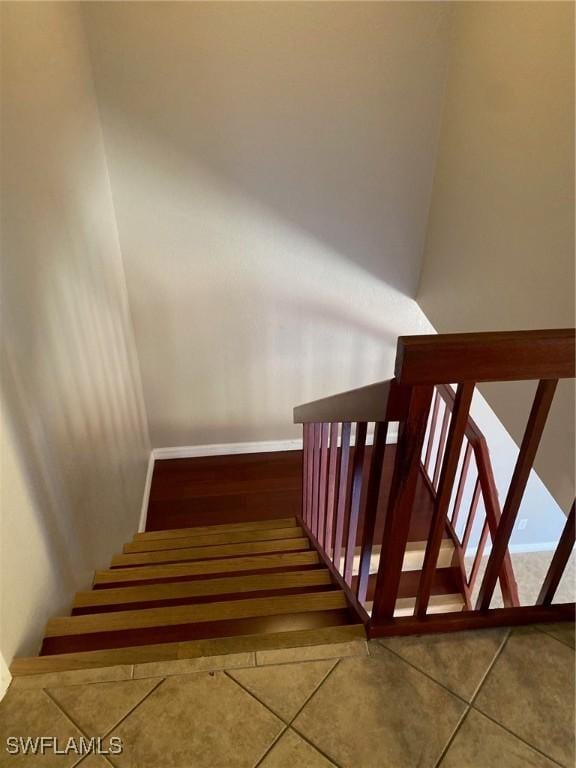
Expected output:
(384, 401)
(495, 356)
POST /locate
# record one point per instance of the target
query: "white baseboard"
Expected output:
(223, 449)
(519, 549)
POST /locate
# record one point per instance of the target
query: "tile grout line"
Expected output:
(422, 672)
(469, 703)
(132, 709)
(314, 692)
(288, 725)
(539, 627)
(519, 738)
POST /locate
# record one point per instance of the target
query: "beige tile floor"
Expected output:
(493, 699)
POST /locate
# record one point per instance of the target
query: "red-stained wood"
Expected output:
(432, 432)
(356, 608)
(332, 489)
(530, 442)
(559, 561)
(471, 514)
(316, 431)
(324, 435)
(304, 510)
(465, 620)
(479, 554)
(441, 446)
(499, 356)
(354, 509)
(461, 484)
(310, 466)
(449, 467)
(400, 502)
(508, 585)
(489, 495)
(370, 508)
(342, 492)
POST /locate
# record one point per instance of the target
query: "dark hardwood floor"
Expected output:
(214, 490)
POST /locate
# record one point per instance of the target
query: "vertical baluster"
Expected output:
(433, 421)
(310, 473)
(305, 472)
(461, 485)
(315, 477)
(508, 584)
(402, 491)
(559, 561)
(324, 433)
(357, 471)
(528, 448)
(471, 514)
(371, 506)
(332, 488)
(342, 492)
(446, 483)
(441, 444)
(478, 557)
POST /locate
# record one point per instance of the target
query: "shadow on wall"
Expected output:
(271, 167)
(76, 441)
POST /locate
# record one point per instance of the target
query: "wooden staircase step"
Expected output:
(413, 557)
(204, 553)
(211, 539)
(438, 604)
(266, 624)
(218, 646)
(446, 581)
(113, 599)
(258, 525)
(180, 571)
(193, 614)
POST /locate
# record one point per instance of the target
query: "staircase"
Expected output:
(375, 540)
(199, 591)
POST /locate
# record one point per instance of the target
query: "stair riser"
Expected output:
(259, 625)
(209, 540)
(210, 553)
(199, 600)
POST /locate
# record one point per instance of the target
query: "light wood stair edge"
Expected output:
(143, 618)
(204, 567)
(213, 539)
(446, 603)
(172, 533)
(212, 552)
(202, 587)
(191, 649)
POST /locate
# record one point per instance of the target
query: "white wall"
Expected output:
(74, 432)
(271, 166)
(500, 244)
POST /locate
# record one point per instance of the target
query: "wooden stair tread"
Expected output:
(211, 539)
(264, 562)
(173, 533)
(141, 654)
(266, 624)
(204, 587)
(445, 581)
(188, 614)
(438, 604)
(204, 553)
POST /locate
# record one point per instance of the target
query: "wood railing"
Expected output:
(361, 492)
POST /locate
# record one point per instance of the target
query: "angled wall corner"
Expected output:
(499, 250)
